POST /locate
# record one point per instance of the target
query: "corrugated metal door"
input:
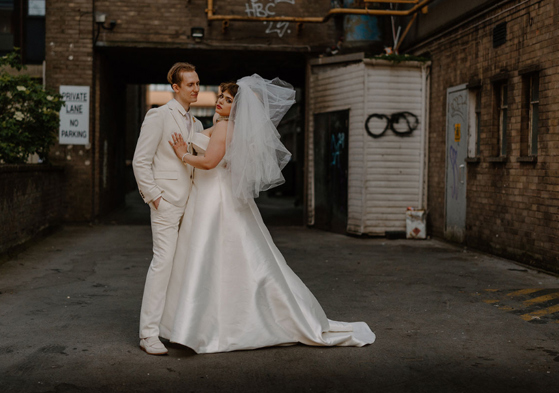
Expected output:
(331, 170)
(456, 153)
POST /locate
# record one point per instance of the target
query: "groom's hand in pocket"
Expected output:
(156, 203)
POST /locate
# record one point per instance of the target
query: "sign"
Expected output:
(457, 132)
(74, 116)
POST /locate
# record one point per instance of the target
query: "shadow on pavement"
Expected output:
(276, 211)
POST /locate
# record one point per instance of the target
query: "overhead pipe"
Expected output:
(312, 19)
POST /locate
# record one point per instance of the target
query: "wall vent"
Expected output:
(499, 34)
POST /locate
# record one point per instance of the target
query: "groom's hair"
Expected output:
(175, 73)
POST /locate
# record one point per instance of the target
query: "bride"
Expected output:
(231, 288)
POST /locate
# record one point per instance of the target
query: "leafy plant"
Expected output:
(29, 114)
(400, 58)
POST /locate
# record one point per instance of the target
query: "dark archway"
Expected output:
(122, 74)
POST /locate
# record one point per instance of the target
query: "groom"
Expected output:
(164, 184)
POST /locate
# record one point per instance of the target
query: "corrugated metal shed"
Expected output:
(386, 174)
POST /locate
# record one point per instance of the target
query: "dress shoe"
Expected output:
(153, 346)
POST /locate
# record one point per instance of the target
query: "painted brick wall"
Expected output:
(32, 200)
(512, 207)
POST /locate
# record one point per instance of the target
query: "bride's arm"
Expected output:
(214, 152)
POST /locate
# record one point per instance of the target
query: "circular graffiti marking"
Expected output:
(401, 123)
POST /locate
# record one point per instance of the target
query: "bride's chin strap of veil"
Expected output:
(255, 155)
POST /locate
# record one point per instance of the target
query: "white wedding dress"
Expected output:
(231, 288)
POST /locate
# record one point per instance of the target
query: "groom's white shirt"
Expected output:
(157, 169)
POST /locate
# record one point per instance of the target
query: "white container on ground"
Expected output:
(415, 224)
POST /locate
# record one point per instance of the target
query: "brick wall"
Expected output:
(512, 207)
(69, 61)
(31, 201)
(144, 29)
(142, 22)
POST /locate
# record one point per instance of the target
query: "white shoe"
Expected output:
(153, 346)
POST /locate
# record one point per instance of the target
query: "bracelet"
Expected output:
(182, 158)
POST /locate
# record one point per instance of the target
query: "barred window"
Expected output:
(474, 123)
(530, 115)
(501, 90)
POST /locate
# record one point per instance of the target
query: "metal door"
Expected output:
(456, 153)
(331, 170)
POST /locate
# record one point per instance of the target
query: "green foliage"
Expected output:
(400, 58)
(29, 115)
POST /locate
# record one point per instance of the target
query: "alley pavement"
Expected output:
(447, 319)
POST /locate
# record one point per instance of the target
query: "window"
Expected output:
(501, 90)
(22, 25)
(34, 40)
(6, 26)
(474, 123)
(530, 115)
(36, 8)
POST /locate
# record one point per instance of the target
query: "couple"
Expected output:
(217, 282)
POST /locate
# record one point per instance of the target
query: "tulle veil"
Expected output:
(255, 155)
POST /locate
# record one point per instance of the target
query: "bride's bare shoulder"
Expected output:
(208, 131)
(220, 127)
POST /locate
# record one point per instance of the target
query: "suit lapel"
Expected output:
(179, 118)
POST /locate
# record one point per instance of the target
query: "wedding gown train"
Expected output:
(231, 288)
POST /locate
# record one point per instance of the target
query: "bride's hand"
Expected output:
(179, 145)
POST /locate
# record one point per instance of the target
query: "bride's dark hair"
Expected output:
(229, 87)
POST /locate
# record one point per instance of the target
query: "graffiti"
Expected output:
(337, 145)
(453, 157)
(410, 122)
(458, 107)
(257, 8)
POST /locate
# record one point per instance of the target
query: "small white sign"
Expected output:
(74, 116)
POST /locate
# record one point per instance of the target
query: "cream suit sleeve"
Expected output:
(148, 142)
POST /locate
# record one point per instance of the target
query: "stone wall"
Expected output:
(513, 205)
(31, 202)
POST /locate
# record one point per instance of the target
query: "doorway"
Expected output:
(456, 153)
(331, 170)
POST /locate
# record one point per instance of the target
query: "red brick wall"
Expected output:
(31, 201)
(512, 207)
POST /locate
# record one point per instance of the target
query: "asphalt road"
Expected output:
(446, 320)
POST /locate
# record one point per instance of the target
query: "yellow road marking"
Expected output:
(490, 301)
(524, 292)
(541, 299)
(540, 313)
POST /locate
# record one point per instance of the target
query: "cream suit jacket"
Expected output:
(157, 169)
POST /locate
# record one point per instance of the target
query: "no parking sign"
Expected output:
(74, 116)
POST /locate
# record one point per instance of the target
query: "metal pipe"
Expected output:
(391, 1)
(313, 19)
(405, 32)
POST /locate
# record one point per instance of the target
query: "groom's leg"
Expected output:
(165, 228)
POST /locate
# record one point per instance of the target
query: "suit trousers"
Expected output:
(165, 222)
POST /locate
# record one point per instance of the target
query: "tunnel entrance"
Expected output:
(125, 77)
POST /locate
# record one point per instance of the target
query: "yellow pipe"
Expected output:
(393, 1)
(311, 19)
(405, 32)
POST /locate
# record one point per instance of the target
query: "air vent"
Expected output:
(499, 34)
